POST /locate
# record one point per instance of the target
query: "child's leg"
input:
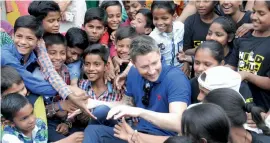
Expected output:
(101, 113)
(53, 135)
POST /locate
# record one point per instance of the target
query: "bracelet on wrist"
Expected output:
(69, 124)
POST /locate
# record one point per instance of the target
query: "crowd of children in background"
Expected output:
(166, 73)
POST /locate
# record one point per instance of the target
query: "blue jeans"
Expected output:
(53, 135)
(100, 134)
(101, 113)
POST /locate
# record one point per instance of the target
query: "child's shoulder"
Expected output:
(40, 124)
(8, 47)
(156, 34)
(65, 68)
(105, 39)
(84, 84)
(10, 130)
(178, 25)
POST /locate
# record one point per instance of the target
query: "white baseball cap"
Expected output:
(220, 77)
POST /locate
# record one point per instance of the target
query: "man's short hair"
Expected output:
(142, 45)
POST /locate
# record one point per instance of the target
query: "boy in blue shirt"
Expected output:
(21, 56)
(77, 42)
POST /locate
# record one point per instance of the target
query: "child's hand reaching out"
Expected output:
(117, 62)
(62, 128)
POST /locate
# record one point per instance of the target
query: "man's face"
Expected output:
(73, 54)
(149, 65)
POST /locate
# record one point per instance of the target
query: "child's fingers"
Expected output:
(62, 129)
(79, 140)
(123, 120)
(70, 115)
(117, 135)
(58, 127)
(86, 110)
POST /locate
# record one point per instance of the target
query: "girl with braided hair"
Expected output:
(236, 110)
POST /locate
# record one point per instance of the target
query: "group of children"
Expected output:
(41, 68)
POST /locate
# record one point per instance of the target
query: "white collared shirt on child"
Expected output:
(170, 43)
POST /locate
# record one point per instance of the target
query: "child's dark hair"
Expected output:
(178, 139)
(148, 16)
(54, 38)
(40, 9)
(125, 32)
(29, 22)
(9, 76)
(142, 2)
(168, 5)
(227, 24)
(236, 108)
(11, 104)
(105, 4)
(216, 49)
(207, 121)
(77, 37)
(96, 13)
(97, 49)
